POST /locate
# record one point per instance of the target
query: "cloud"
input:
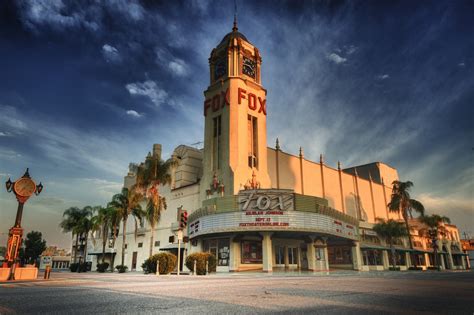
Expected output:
(111, 54)
(336, 58)
(178, 67)
(350, 49)
(9, 154)
(383, 76)
(133, 113)
(55, 14)
(149, 89)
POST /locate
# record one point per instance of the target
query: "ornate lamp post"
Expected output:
(23, 188)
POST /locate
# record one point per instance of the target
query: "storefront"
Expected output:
(273, 229)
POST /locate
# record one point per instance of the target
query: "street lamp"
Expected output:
(23, 188)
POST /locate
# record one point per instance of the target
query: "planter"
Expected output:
(4, 274)
(26, 273)
(416, 268)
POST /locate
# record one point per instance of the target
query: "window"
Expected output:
(216, 143)
(399, 258)
(340, 255)
(157, 243)
(251, 252)
(219, 248)
(372, 257)
(252, 141)
(140, 245)
(280, 255)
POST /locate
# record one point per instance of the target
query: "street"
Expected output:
(244, 293)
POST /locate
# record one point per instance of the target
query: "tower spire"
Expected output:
(235, 28)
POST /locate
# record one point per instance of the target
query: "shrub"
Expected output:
(121, 268)
(84, 267)
(73, 267)
(102, 267)
(201, 258)
(167, 263)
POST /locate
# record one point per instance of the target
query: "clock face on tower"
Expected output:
(249, 67)
(220, 68)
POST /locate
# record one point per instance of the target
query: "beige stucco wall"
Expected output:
(292, 169)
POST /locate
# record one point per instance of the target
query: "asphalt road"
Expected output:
(249, 293)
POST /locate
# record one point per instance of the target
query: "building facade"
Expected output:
(258, 208)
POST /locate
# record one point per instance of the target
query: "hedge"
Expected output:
(167, 263)
(201, 258)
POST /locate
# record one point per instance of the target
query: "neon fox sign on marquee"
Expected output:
(221, 99)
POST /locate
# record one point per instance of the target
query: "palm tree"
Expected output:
(150, 175)
(434, 224)
(152, 216)
(391, 230)
(77, 221)
(125, 204)
(103, 223)
(402, 203)
(71, 217)
(84, 226)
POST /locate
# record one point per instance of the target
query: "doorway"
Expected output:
(134, 260)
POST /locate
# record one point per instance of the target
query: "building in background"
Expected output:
(57, 258)
(468, 249)
(259, 208)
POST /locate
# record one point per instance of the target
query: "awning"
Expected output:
(100, 253)
(172, 246)
(373, 246)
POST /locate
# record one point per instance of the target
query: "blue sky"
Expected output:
(86, 89)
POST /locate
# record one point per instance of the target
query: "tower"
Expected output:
(235, 132)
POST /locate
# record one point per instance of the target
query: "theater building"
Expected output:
(258, 208)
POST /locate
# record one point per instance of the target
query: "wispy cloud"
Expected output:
(150, 89)
(133, 113)
(111, 54)
(178, 67)
(336, 58)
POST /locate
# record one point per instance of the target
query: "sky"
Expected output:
(88, 87)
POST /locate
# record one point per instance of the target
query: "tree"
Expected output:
(103, 222)
(85, 226)
(34, 246)
(391, 230)
(76, 220)
(434, 228)
(150, 175)
(125, 204)
(71, 217)
(402, 203)
(152, 216)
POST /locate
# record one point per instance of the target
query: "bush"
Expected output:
(121, 268)
(102, 267)
(73, 267)
(167, 263)
(201, 258)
